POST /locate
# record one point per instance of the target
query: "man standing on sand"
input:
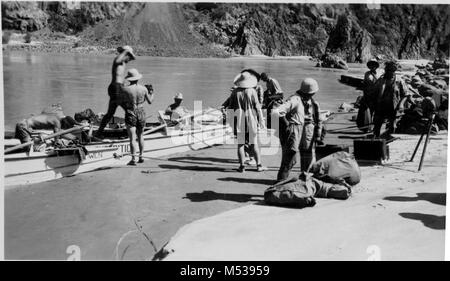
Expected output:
(134, 97)
(388, 91)
(370, 78)
(115, 88)
(304, 128)
(367, 103)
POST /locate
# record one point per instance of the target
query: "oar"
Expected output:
(178, 120)
(19, 146)
(348, 128)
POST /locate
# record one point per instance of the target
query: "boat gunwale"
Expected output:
(96, 160)
(14, 156)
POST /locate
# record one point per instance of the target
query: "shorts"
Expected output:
(115, 90)
(135, 118)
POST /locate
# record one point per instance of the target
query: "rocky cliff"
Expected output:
(355, 32)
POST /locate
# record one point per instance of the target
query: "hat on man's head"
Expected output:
(178, 96)
(309, 86)
(127, 48)
(373, 63)
(245, 80)
(133, 75)
(252, 72)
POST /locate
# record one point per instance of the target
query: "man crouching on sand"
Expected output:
(115, 88)
(135, 95)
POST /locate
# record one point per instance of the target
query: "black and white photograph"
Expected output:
(224, 131)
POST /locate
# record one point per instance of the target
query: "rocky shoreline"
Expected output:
(355, 33)
(60, 43)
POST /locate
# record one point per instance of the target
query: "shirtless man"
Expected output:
(135, 95)
(115, 88)
(26, 127)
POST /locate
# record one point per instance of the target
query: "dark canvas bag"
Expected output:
(331, 190)
(291, 193)
(337, 167)
(300, 193)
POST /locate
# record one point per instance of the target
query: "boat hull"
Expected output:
(21, 168)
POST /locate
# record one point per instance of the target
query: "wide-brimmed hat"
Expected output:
(373, 63)
(178, 96)
(309, 86)
(133, 75)
(252, 72)
(245, 80)
(127, 48)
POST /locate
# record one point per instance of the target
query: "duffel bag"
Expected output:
(331, 190)
(295, 193)
(337, 167)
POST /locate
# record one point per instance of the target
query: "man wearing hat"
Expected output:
(370, 77)
(134, 97)
(304, 130)
(175, 110)
(114, 89)
(245, 114)
(389, 91)
(367, 103)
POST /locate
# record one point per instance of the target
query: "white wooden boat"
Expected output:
(26, 168)
(33, 167)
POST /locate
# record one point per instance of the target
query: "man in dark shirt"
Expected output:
(389, 91)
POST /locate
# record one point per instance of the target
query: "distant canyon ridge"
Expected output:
(356, 32)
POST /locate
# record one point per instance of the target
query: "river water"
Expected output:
(33, 81)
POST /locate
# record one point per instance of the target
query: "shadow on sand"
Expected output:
(431, 221)
(208, 159)
(435, 198)
(209, 195)
(267, 182)
(196, 168)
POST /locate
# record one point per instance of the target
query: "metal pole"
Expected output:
(417, 147)
(426, 142)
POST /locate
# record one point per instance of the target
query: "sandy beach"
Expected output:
(115, 213)
(395, 213)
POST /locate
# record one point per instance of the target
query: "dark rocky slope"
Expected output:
(355, 32)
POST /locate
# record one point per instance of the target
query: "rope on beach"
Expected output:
(139, 227)
(116, 251)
